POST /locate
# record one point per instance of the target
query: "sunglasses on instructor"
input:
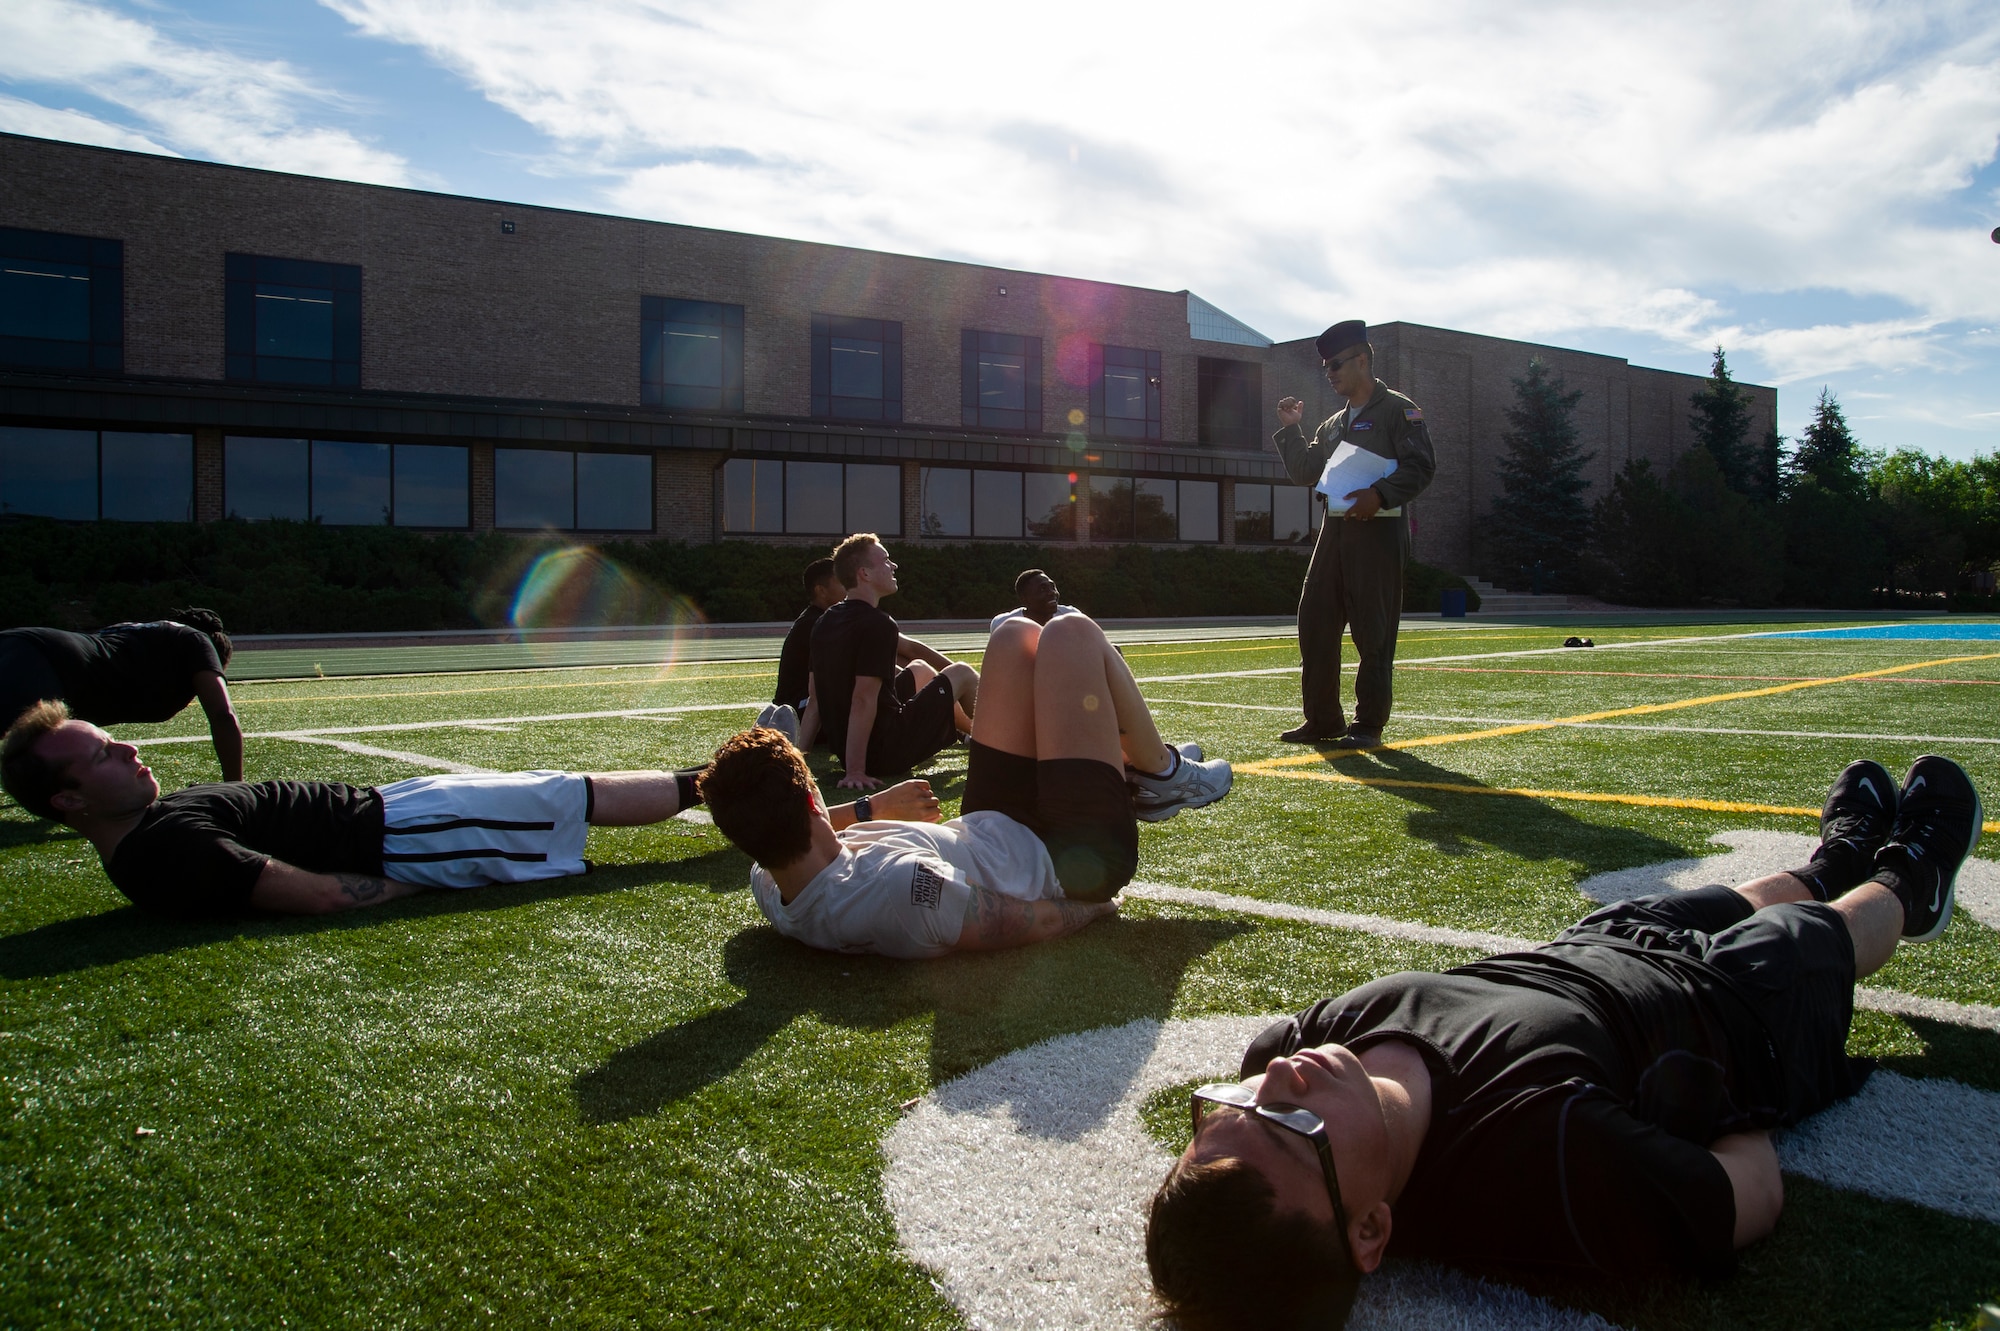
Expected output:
(1293, 1119)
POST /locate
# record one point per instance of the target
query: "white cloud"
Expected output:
(1523, 172)
(204, 102)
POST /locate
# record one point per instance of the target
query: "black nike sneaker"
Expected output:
(1937, 825)
(1859, 814)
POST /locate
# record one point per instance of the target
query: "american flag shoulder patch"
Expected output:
(926, 887)
(1413, 414)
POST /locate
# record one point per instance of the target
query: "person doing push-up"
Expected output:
(1064, 757)
(1602, 1104)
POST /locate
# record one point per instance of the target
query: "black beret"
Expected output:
(1352, 333)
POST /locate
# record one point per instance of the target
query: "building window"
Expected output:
(1124, 393)
(857, 368)
(1002, 505)
(1280, 514)
(1000, 381)
(1149, 508)
(811, 498)
(343, 483)
(62, 301)
(83, 475)
(556, 489)
(1231, 402)
(288, 321)
(690, 354)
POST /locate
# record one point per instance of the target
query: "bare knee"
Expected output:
(964, 680)
(921, 673)
(1774, 890)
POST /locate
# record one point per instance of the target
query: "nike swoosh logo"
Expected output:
(1915, 786)
(1937, 898)
(1868, 784)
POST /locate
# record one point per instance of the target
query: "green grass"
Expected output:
(622, 1100)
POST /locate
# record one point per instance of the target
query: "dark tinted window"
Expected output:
(690, 354)
(1125, 393)
(51, 473)
(996, 504)
(944, 501)
(1001, 505)
(1048, 505)
(535, 487)
(614, 491)
(146, 477)
(62, 301)
(289, 321)
(1000, 381)
(267, 478)
(350, 483)
(432, 486)
(1231, 403)
(83, 475)
(753, 495)
(811, 498)
(1148, 508)
(857, 368)
(1286, 514)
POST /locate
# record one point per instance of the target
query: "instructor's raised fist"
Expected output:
(1290, 409)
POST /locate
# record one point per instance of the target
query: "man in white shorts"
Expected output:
(309, 847)
(1064, 756)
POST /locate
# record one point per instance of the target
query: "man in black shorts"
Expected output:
(878, 717)
(1602, 1104)
(125, 673)
(1046, 838)
(309, 847)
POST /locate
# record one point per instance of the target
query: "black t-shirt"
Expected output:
(199, 851)
(1575, 1090)
(853, 640)
(128, 672)
(795, 660)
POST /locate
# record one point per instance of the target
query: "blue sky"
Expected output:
(1810, 185)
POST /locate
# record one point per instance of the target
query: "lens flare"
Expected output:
(575, 594)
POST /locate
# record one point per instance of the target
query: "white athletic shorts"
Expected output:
(467, 830)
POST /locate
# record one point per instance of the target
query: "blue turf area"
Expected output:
(1917, 632)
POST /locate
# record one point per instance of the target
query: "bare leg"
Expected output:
(964, 689)
(1007, 720)
(1086, 702)
(920, 675)
(1774, 890)
(632, 799)
(1875, 922)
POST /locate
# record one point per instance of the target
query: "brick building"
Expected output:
(186, 341)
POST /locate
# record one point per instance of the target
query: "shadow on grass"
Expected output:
(1532, 829)
(983, 1004)
(129, 934)
(28, 831)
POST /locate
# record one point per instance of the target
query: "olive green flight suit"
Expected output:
(1355, 579)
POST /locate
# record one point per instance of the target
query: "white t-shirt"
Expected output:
(901, 889)
(1021, 612)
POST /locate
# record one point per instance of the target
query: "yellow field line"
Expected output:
(1523, 792)
(1644, 709)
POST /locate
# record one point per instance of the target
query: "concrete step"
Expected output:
(1493, 601)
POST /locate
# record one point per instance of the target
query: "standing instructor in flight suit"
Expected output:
(1356, 575)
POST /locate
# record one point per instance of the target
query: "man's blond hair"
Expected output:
(31, 779)
(849, 555)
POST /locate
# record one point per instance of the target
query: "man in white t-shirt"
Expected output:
(1041, 600)
(1064, 758)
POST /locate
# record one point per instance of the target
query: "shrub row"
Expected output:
(289, 577)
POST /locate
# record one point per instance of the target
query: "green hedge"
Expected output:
(290, 577)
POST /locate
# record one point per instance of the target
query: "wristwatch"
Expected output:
(864, 812)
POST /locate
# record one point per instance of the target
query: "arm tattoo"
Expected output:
(996, 920)
(361, 889)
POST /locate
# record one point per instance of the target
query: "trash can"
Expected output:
(1451, 603)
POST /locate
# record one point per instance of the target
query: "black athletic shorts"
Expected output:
(927, 723)
(1793, 964)
(26, 677)
(1079, 807)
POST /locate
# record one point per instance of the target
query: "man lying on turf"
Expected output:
(308, 847)
(1047, 836)
(1600, 1104)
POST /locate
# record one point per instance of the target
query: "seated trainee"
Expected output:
(789, 710)
(126, 673)
(877, 716)
(1041, 600)
(1602, 1104)
(1047, 836)
(308, 847)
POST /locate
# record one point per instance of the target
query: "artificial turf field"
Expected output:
(623, 1100)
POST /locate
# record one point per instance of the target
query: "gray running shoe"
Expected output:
(1194, 783)
(780, 717)
(1189, 749)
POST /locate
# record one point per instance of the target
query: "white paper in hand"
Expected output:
(1348, 470)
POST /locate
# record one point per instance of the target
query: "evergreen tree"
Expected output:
(1721, 423)
(1540, 516)
(1828, 453)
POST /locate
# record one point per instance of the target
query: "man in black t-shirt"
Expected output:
(308, 847)
(878, 717)
(791, 711)
(1602, 1104)
(128, 672)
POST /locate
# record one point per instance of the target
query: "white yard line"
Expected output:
(475, 723)
(400, 755)
(1981, 1015)
(1608, 725)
